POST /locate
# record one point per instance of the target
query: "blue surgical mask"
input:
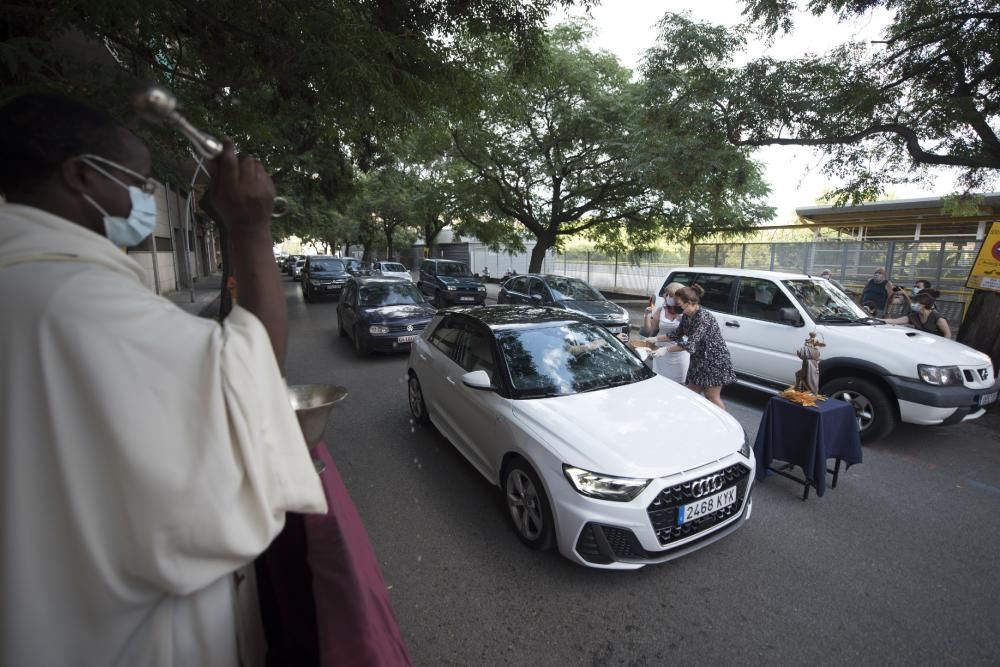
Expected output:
(914, 307)
(670, 301)
(141, 220)
(915, 290)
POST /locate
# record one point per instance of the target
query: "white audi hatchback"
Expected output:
(615, 465)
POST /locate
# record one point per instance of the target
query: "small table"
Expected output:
(807, 437)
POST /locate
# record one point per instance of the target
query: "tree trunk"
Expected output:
(981, 327)
(538, 254)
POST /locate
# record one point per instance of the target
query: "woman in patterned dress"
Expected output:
(699, 334)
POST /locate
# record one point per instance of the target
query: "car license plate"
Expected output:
(466, 298)
(406, 339)
(986, 399)
(700, 508)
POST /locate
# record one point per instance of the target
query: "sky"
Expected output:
(626, 28)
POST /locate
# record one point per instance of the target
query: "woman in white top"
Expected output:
(672, 365)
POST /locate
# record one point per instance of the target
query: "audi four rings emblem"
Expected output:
(409, 327)
(707, 485)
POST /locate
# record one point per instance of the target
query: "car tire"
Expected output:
(415, 395)
(306, 296)
(341, 331)
(876, 416)
(527, 505)
(360, 347)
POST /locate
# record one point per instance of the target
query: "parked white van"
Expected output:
(890, 373)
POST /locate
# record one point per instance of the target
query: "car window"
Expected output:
(393, 267)
(375, 295)
(449, 337)
(761, 299)
(537, 288)
(823, 301)
(567, 359)
(572, 289)
(326, 266)
(683, 277)
(517, 285)
(452, 269)
(717, 291)
(477, 353)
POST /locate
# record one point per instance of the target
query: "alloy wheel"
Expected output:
(863, 409)
(525, 505)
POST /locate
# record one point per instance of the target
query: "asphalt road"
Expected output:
(897, 565)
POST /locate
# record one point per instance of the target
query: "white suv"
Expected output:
(890, 373)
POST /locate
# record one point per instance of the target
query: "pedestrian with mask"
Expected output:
(664, 321)
(148, 456)
(923, 315)
(877, 291)
(711, 366)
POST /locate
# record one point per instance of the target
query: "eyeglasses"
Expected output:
(147, 185)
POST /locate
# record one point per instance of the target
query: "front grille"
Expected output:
(663, 510)
(401, 328)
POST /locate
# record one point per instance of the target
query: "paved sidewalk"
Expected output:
(205, 302)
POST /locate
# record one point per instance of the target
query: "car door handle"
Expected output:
(733, 324)
(448, 378)
(423, 357)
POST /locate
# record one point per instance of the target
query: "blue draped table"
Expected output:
(807, 437)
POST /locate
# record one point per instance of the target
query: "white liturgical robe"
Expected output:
(145, 456)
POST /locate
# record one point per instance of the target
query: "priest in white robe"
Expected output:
(147, 456)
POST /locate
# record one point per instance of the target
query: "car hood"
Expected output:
(459, 282)
(647, 429)
(899, 343)
(400, 312)
(601, 309)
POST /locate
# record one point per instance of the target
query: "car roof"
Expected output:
(747, 273)
(499, 317)
(447, 261)
(325, 257)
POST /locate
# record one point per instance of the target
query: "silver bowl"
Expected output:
(312, 404)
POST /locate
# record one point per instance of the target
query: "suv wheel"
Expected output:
(528, 505)
(873, 408)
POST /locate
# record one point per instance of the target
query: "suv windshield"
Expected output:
(567, 359)
(452, 269)
(327, 266)
(389, 294)
(823, 302)
(572, 289)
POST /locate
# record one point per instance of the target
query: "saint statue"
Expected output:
(807, 378)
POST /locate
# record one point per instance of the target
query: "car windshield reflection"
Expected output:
(326, 267)
(573, 289)
(457, 270)
(389, 294)
(823, 302)
(567, 359)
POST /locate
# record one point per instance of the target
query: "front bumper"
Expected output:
(399, 338)
(925, 404)
(464, 297)
(625, 536)
(325, 288)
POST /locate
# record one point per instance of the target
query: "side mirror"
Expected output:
(478, 380)
(789, 315)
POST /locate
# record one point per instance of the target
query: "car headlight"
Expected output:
(606, 487)
(940, 375)
(482, 289)
(378, 329)
(745, 449)
(451, 288)
(314, 282)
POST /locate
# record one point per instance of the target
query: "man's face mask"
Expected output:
(141, 221)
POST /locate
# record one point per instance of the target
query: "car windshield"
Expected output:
(824, 302)
(567, 359)
(393, 268)
(572, 289)
(389, 294)
(452, 269)
(327, 266)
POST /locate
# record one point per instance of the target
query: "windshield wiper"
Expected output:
(836, 318)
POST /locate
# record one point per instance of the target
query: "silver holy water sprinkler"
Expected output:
(157, 104)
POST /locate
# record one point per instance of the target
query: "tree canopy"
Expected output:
(567, 147)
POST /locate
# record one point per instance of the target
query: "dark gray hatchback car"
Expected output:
(446, 282)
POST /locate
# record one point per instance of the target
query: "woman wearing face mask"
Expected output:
(671, 365)
(877, 291)
(923, 317)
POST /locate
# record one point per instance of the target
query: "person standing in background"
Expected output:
(877, 291)
(664, 321)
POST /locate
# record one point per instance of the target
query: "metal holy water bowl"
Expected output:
(312, 404)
